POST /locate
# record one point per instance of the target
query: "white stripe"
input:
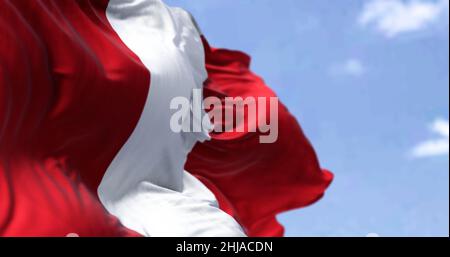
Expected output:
(146, 186)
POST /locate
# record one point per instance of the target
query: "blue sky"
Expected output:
(369, 82)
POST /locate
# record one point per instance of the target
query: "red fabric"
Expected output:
(71, 94)
(254, 182)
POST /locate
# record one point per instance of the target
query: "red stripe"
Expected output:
(254, 182)
(71, 94)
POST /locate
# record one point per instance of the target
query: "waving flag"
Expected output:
(86, 145)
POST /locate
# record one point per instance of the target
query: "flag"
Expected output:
(86, 144)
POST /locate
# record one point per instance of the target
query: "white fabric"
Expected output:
(146, 186)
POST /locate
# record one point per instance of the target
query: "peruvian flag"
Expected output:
(86, 144)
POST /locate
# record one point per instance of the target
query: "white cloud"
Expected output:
(393, 17)
(434, 147)
(351, 67)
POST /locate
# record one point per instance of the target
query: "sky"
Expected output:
(368, 80)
